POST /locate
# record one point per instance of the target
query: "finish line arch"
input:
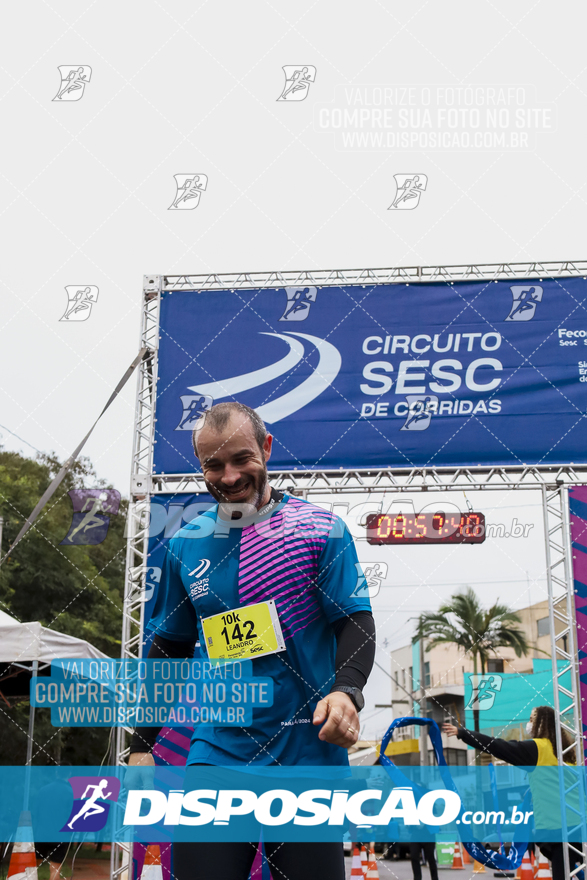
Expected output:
(155, 474)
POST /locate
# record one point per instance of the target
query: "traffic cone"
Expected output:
(372, 872)
(457, 860)
(152, 869)
(364, 859)
(525, 869)
(356, 868)
(478, 868)
(23, 861)
(544, 872)
(466, 857)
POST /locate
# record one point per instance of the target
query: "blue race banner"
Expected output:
(491, 373)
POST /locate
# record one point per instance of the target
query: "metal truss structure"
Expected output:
(567, 705)
(401, 480)
(552, 481)
(364, 277)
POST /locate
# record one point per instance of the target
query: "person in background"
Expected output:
(539, 751)
(430, 856)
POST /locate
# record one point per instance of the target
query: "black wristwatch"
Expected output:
(355, 694)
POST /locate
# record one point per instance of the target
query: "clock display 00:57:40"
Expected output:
(426, 528)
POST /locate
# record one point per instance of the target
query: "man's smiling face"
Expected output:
(233, 465)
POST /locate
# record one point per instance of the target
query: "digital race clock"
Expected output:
(426, 528)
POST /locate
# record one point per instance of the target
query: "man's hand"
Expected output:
(140, 772)
(450, 729)
(342, 720)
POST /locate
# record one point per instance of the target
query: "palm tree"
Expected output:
(463, 622)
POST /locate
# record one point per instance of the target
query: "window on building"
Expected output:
(456, 757)
(404, 677)
(411, 680)
(543, 626)
(427, 674)
(494, 665)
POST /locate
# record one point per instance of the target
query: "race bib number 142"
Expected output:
(243, 633)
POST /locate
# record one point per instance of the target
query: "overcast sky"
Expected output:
(86, 186)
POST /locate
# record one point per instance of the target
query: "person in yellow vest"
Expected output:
(539, 751)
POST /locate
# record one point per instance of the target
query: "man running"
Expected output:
(304, 560)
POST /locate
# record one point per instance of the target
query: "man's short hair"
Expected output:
(219, 415)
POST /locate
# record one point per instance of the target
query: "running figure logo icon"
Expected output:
(485, 688)
(92, 509)
(79, 302)
(299, 300)
(369, 578)
(420, 409)
(297, 82)
(90, 802)
(409, 190)
(189, 188)
(74, 79)
(525, 299)
(194, 406)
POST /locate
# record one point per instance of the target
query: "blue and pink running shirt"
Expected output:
(304, 559)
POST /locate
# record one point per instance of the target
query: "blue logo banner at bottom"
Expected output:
(495, 806)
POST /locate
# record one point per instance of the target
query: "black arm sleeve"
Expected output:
(355, 649)
(521, 754)
(143, 738)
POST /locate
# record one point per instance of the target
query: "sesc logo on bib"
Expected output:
(243, 633)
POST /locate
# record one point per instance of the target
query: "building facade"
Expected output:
(445, 668)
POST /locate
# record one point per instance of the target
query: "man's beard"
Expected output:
(247, 506)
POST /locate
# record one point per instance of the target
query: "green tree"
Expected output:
(75, 589)
(479, 633)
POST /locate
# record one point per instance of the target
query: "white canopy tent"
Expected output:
(30, 645)
(26, 642)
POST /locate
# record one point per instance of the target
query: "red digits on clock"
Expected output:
(399, 532)
(421, 525)
(380, 528)
(438, 521)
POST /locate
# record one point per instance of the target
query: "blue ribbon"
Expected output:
(498, 860)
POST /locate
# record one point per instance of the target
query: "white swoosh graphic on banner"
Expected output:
(325, 373)
(230, 387)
